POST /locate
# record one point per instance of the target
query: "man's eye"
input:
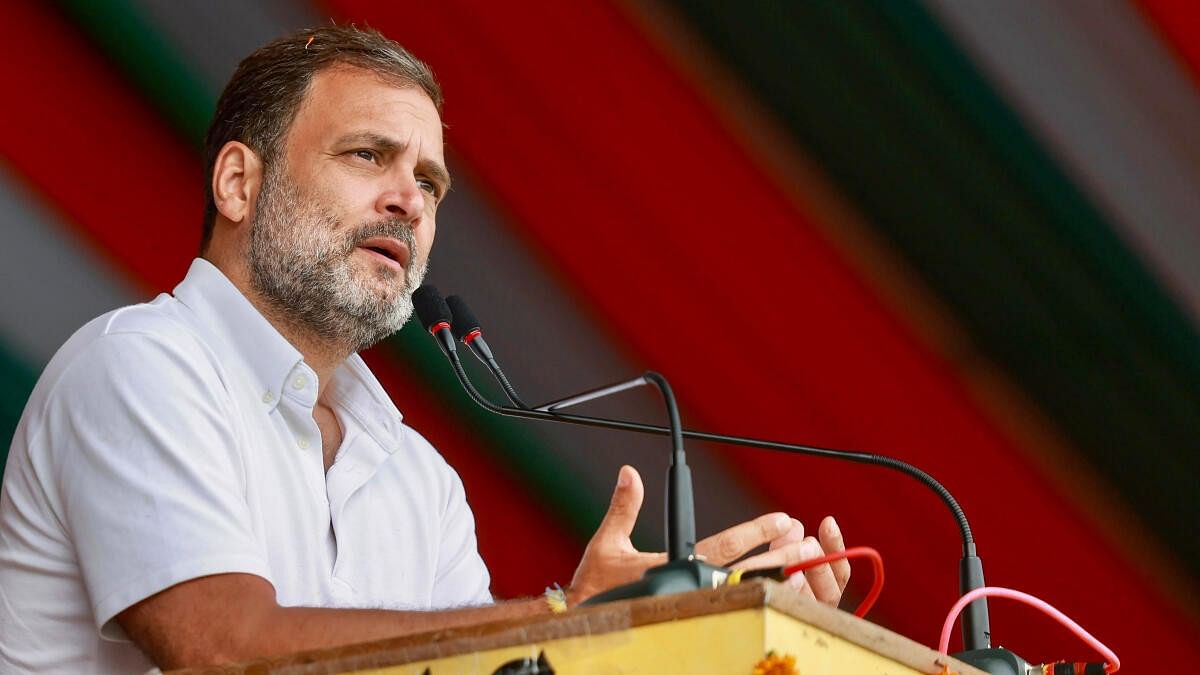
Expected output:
(365, 154)
(428, 186)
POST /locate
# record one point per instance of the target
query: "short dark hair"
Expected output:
(260, 101)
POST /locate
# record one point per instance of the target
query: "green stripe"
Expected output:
(165, 79)
(133, 44)
(16, 383)
(883, 99)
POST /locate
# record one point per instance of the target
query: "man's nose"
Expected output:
(404, 200)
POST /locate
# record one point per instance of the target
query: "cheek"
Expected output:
(425, 234)
(348, 200)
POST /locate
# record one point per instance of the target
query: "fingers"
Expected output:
(830, 536)
(825, 582)
(830, 579)
(793, 535)
(818, 583)
(800, 583)
(820, 578)
(788, 546)
(784, 551)
(731, 544)
(626, 503)
(610, 559)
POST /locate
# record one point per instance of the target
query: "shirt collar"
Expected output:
(229, 316)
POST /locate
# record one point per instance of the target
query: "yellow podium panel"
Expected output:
(724, 631)
(731, 642)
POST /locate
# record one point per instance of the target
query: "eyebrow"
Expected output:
(390, 145)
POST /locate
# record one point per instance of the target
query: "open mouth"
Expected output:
(393, 250)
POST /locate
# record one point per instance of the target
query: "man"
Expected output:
(216, 475)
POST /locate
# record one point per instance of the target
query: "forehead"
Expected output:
(342, 100)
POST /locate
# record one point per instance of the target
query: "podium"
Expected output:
(727, 630)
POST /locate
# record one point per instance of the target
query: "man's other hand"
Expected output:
(611, 560)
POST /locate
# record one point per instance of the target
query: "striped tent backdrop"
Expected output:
(960, 232)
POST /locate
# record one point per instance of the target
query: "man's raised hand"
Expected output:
(611, 560)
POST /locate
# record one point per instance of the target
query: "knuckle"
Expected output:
(771, 525)
(728, 547)
(793, 553)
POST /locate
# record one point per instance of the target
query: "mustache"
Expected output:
(394, 228)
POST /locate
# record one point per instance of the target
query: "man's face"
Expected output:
(344, 222)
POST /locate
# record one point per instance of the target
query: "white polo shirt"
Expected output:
(175, 439)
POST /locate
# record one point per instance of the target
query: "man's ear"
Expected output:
(237, 177)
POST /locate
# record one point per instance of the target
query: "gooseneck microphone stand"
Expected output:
(682, 571)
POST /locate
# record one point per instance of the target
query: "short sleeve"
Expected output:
(142, 436)
(462, 576)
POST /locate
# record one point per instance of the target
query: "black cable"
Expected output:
(504, 383)
(466, 328)
(816, 451)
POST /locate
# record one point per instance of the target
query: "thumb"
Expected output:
(626, 502)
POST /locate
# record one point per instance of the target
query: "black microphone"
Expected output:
(466, 328)
(435, 317)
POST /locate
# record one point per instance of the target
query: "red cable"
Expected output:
(853, 552)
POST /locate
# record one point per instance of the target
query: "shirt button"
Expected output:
(302, 442)
(268, 397)
(300, 382)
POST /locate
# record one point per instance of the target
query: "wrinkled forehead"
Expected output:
(343, 99)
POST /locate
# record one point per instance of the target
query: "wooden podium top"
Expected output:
(725, 613)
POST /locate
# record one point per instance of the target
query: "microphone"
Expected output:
(435, 317)
(976, 631)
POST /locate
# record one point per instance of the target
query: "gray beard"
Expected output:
(303, 270)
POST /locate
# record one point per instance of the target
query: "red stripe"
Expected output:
(83, 139)
(89, 146)
(1179, 24)
(623, 177)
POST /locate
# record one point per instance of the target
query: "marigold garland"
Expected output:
(773, 664)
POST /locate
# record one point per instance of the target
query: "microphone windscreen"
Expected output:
(464, 321)
(431, 308)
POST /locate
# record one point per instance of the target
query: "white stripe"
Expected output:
(1096, 85)
(50, 282)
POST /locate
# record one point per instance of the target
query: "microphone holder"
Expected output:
(693, 574)
(683, 570)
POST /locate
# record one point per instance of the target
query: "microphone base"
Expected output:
(997, 661)
(677, 576)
